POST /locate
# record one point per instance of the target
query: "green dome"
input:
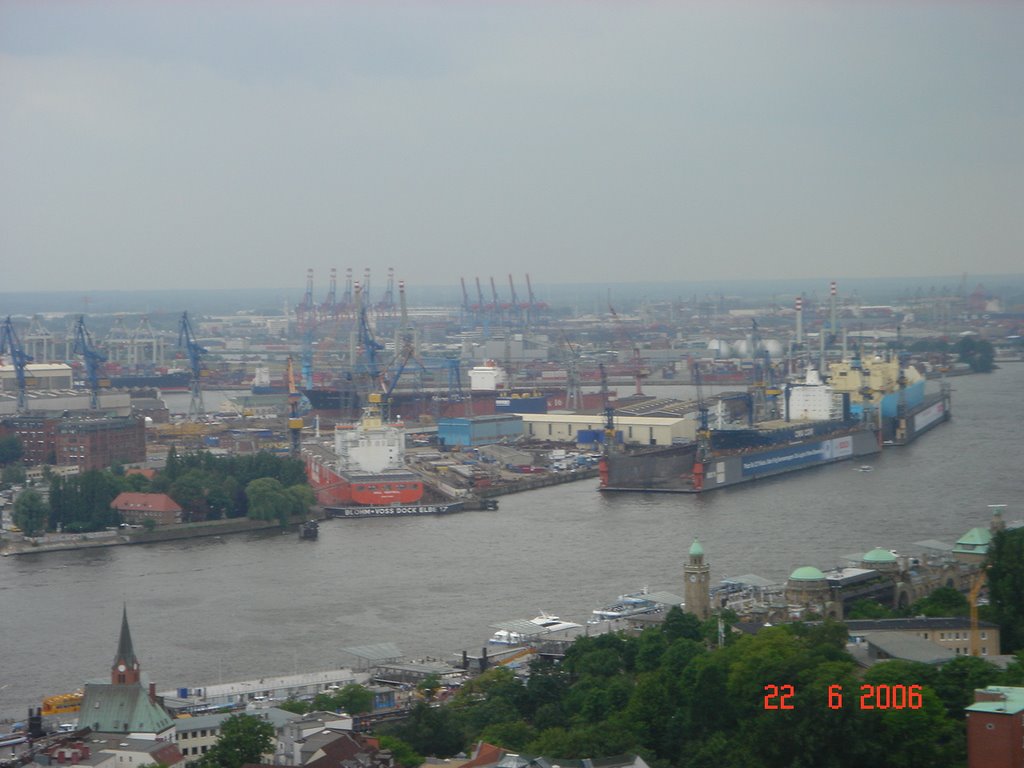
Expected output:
(879, 555)
(696, 548)
(807, 573)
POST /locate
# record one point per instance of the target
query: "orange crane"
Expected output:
(979, 581)
(295, 422)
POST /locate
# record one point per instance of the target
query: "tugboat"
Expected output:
(309, 530)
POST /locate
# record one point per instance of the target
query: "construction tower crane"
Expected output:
(187, 341)
(93, 358)
(10, 344)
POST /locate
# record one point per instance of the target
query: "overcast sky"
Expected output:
(234, 144)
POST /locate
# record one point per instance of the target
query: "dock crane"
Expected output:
(515, 308)
(295, 422)
(93, 357)
(10, 344)
(187, 341)
(609, 411)
(367, 344)
(329, 307)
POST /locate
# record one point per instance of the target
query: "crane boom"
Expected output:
(83, 346)
(10, 344)
(187, 341)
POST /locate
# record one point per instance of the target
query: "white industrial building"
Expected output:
(641, 430)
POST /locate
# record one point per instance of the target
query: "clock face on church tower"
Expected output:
(693, 577)
(120, 667)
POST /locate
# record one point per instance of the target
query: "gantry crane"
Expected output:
(187, 341)
(92, 357)
(10, 344)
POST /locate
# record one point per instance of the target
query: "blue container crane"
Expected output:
(187, 341)
(10, 344)
(93, 357)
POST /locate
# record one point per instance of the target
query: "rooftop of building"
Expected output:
(807, 573)
(879, 555)
(908, 646)
(134, 500)
(915, 624)
(1008, 701)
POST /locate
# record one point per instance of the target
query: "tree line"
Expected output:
(207, 487)
(668, 696)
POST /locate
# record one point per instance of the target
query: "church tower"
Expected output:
(125, 670)
(698, 582)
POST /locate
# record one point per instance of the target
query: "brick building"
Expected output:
(98, 443)
(995, 728)
(88, 442)
(37, 435)
(139, 507)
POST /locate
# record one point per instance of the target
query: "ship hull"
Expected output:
(336, 488)
(167, 382)
(676, 469)
(350, 513)
(933, 411)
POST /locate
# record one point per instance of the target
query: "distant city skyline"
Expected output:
(230, 145)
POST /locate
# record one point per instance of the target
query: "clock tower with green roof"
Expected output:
(698, 582)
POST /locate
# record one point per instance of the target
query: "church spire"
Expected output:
(126, 664)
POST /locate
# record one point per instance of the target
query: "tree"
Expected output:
(10, 450)
(678, 623)
(189, 490)
(31, 513)
(404, 755)
(12, 474)
(869, 609)
(1006, 587)
(268, 500)
(243, 739)
(354, 699)
(977, 353)
(944, 601)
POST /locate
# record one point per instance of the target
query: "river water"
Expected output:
(240, 607)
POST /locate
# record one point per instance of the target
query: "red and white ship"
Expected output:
(366, 466)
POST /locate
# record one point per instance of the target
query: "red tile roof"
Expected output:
(132, 501)
(485, 754)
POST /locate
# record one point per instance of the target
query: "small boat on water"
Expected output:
(309, 530)
(635, 604)
(864, 468)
